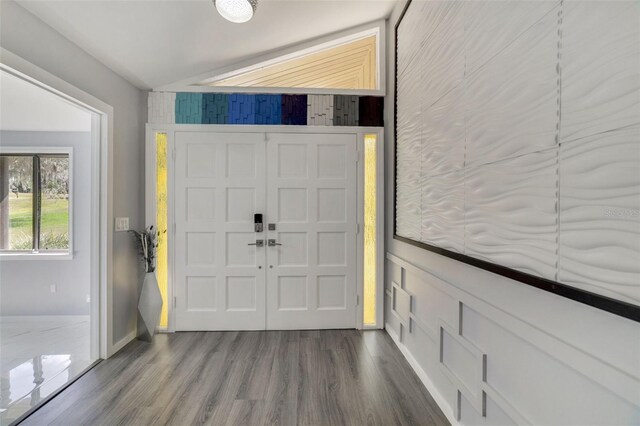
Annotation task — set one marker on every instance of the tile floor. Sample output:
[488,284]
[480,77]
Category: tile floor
[38,355]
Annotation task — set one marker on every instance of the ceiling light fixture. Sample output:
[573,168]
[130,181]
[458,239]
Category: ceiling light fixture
[237,11]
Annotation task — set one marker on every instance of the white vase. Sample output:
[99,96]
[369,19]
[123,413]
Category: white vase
[149,307]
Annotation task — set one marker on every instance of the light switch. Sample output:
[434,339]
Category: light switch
[122,224]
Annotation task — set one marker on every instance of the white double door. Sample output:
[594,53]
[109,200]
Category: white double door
[305,185]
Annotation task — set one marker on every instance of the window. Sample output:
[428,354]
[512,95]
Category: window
[35,202]
[370,228]
[162,257]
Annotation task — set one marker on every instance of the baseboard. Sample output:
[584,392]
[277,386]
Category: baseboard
[45,318]
[121,343]
[424,378]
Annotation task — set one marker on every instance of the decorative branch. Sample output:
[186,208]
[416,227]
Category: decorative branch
[147,242]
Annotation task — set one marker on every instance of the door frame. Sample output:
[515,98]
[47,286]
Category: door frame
[360,132]
[102,344]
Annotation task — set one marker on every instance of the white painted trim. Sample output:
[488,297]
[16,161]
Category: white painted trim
[124,341]
[424,378]
[360,147]
[150,209]
[101,259]
[25,255]
[34,318]
[624,384]
[380,248]
[375,31]
[376,27]
[241,128]
[150,206]
[150,154]
[170,129]
[380,231]
[171,232]
[476,399]
[100,306]
[278,90]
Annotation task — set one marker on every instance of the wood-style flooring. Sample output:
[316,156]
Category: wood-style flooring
[332,377]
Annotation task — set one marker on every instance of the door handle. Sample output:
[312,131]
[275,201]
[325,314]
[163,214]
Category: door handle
[258,243]
[272,243]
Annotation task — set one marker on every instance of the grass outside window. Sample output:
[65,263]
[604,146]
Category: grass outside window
[34,203]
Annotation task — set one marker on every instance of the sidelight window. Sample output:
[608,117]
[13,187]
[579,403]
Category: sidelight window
[161,220]
[370,229]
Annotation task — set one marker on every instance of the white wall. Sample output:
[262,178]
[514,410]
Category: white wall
[27,107]
[549,360]
[30,38]
[25,285]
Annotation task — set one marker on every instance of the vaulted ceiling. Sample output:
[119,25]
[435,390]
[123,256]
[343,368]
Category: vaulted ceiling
[347,66]
[156,42]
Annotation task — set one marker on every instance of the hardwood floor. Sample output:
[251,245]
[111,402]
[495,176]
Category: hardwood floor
[332,377]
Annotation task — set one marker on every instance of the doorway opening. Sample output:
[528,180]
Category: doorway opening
[53,266]
[321,247]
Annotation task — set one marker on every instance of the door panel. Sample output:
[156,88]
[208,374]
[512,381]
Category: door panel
[219,185]
[306,185]
[311,277]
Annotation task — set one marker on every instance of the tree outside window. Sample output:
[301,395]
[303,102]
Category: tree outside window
[34,202]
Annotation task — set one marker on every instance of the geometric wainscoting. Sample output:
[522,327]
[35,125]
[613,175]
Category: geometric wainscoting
[484,365]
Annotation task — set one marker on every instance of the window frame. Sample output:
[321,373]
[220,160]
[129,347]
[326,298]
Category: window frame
[34,254]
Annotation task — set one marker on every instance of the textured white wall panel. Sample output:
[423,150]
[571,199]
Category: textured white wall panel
[410,41]
[161,108]
[434,29]
[512,102]
[442,208]
[408,200]
[600,214]
[550,360]
[482,82]
[421,23]
[439,66]
[600,62]
[490,26]
[443,134]
[409,166]
[511,216]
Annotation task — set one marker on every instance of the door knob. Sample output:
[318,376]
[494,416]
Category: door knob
[272,243]
[258,243]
